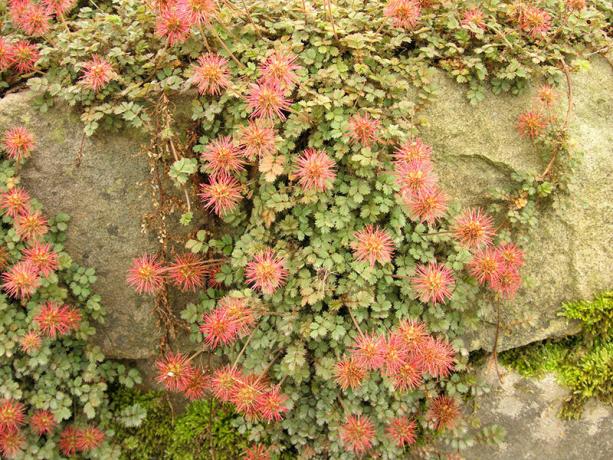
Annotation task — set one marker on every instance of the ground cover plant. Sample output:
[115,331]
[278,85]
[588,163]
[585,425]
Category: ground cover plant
[335,280]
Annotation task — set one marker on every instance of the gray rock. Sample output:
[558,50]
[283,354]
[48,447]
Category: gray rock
[106,196]
[528,410]
[569,256]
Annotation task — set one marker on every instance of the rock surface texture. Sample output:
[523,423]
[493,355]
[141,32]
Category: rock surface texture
[528,410]
[569,257]
[476,149]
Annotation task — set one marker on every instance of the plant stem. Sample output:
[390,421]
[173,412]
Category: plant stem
[355,322]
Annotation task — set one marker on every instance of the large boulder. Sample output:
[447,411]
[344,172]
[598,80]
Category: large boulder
[102,183]
[528,410]
[477,149]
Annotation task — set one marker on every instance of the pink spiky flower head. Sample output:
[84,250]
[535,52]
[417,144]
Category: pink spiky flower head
[411,332]
[222,156]
[42,422]
[428,205]
[21,281]
[11,415]
[174,371]
[279,69]
[54,319]
[575,5]
[433,282]
[30,342]
[363,129]
[219,328]
[239,312]
[408,376]
[224,382]
[511,255]
[31,226]
[197,385]
[34,20]
[402,431]
[69,441]
[18,143]
[473,228]
[211,75]
[436,357]
[414,177]
[15,202]
[58,7]
[271,404]
[257,139]
[474,17]
[12,444]
[372,245]
[357,433]
[221,194]
[24,56]
[315,170]
[507,282]
[404,13]
[146,275]
[266,272]
[266,100]
[201,11]
[257,452]
[534,21]
[174,23]
[187,272]
[349,374]
[411,150]
[547,95]
[6,54]
[395,354]
[368,351]
[43,257]
[97,73]
[245,395]
[89,438]
[531,124]
[485,265]
[444,412]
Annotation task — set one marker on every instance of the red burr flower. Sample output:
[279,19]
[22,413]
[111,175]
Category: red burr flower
[187,272]
[415,176]
[412,333]
[15,202]
[485,265]
[511,255]
[575,5]
[34,20]
[404,13]
[349,374]
[211,75]
[97,73]
[531,124]
[224,382]
[402,431]
[266,100]
[474,17]
[31,341]
[146,275]
[474,228]
[69,441]
[221,194]
[58,7]
[174,371]
[11,443]
[174,23]
[433,282]
[547,95]
[506,283]
[395,354]
[534,20]
[357,433]
[412,150]
[257,452]
[54,319]
[372,245]
[24,56]
[6,54]
[89,438]
[407,376]
[218,328]
[42,422]
[436,357]
[279,69]
[18,143]
[222,156]
[429,205]
[271,404]
[11,415]
[315,170]
[246,394]
[444,412]
[266,272]
[31,226]
[43,257]
[257,139]
[368,351]
[363,129]
[201,11]
[239,312]
[21,280]
[197,385]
